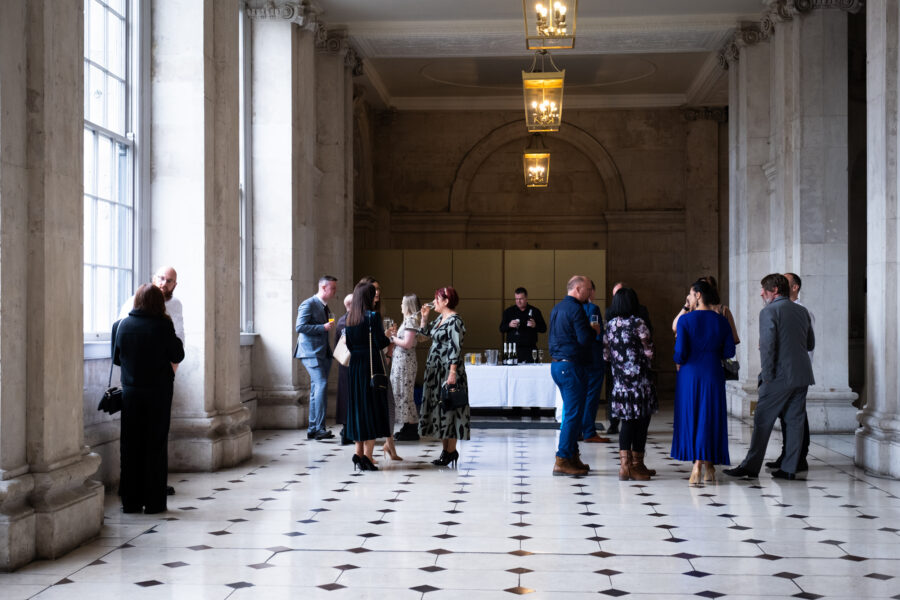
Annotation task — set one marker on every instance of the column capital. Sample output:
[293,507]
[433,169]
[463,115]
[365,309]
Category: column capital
[300,13]
[804,6]
[354,62]
[749,34]
[333,41]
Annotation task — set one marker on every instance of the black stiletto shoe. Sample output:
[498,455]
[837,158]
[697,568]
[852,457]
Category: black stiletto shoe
[365,464]
[357,464]
[446,458]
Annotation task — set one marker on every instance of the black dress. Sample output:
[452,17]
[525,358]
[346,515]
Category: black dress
[145,347]
[367,411]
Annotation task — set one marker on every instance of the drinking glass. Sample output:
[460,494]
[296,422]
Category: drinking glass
[388,323]
[541,355]
[534,355]
[595,319]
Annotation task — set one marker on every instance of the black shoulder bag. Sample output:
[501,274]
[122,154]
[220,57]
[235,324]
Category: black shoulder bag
[378,381]
[111,402]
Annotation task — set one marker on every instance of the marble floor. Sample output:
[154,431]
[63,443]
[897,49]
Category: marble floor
[297,522]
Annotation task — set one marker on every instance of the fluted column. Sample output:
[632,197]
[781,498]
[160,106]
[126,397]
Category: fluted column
[748,228]
[808,211]
[48,503]
[878,440]
[194,222]
[285,174]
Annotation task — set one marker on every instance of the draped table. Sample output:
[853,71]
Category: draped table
[528,385]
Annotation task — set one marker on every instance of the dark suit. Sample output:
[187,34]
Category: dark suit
[524,337]
[785,340]
[145,347]
[314,351]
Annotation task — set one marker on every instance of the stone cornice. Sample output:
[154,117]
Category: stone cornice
[300,13]
[719,114]
[777,11]
[333,41]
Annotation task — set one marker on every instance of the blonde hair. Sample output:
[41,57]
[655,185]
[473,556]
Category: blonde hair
[410,305]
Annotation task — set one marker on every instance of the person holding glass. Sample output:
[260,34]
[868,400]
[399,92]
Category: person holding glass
[367,407]
[595,371]
[444,365]
[704,337]
[404,367]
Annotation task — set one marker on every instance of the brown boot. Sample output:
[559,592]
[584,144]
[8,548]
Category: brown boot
[638,470]
[565,466]
[577,462]
[625,465]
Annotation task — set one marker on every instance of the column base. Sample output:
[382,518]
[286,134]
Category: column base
[282,410]
[878,444]
[829,411]
[17,523]
[210,443]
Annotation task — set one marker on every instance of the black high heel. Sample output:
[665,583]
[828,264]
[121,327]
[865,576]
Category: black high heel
[357,464]
[446,458]
[365,464]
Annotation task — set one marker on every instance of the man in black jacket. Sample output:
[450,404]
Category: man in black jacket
[522,323]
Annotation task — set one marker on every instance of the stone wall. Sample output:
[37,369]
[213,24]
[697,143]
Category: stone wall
[642,184]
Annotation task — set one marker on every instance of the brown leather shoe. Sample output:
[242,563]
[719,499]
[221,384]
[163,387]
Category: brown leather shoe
[624,465]
[596,439]
[565,466]
[638,470]
[577,462]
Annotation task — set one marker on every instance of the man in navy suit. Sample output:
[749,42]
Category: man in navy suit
[314,321]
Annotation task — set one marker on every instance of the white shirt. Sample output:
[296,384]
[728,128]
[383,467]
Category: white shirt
[173,307]
[812,318]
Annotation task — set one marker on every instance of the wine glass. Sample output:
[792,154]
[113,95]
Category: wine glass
[534,355]
[388,323]
[541,356]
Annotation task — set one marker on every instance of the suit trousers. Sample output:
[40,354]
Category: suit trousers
[318,369]
[571,379]
[774,400]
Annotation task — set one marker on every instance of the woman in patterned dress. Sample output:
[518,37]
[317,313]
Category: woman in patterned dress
[628,349]
[444,365]
[404,367]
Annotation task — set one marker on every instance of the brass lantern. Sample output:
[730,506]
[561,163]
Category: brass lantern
[536,162]
[543,91]
[550,24]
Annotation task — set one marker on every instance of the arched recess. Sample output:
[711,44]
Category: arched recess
[578,138]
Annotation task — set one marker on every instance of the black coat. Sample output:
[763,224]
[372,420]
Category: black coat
[145,347]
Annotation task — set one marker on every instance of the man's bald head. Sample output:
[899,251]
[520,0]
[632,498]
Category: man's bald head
[166,279]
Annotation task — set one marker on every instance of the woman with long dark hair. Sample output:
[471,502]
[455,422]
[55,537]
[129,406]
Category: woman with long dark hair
[628,349]
[444,365]
[144,344]
[367,407]
[703,339]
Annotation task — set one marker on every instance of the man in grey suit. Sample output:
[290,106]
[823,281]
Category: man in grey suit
[785,340]
[314,321]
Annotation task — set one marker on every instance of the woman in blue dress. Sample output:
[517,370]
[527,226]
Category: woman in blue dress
[367,407]
[702,340]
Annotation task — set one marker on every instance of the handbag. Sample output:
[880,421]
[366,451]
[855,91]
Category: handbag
[453,397]
[341,353]
[731,367]
[378,381]
[111,402]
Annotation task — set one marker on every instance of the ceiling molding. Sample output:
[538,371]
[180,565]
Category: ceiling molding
[371,73]
[705,86]
[596,101]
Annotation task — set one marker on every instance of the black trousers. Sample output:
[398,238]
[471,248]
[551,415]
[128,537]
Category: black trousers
[633,434]
[143,451]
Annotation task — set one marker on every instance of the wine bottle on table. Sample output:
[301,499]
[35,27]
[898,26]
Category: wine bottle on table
[514,355]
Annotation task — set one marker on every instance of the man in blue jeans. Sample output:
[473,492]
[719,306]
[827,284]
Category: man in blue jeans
[571,336]
[314,322]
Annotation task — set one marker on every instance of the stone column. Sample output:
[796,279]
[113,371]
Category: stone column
[48,504]
[878,440]
[748,228]
[808,213]
[701,211]
[284,180]
[194,222]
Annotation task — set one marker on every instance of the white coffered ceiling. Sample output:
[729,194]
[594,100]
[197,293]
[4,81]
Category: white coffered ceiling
[469,54]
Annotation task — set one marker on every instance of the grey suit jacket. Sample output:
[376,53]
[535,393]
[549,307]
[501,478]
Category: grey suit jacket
[785,340]
[312,341]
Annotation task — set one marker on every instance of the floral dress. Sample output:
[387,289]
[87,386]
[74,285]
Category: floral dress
[403,375]
[446,349]
[627,349]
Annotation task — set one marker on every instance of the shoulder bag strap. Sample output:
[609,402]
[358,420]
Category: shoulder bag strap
[109,381]
[372,355]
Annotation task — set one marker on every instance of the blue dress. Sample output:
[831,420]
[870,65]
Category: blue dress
[702,340]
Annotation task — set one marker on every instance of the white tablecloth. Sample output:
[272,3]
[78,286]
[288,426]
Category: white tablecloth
[519,385]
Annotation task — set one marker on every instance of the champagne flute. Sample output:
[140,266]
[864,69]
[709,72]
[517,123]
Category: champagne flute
[534,355]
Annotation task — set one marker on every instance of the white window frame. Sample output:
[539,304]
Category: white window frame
[136,138]
[246,171]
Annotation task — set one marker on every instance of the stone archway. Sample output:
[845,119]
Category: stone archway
[576,137]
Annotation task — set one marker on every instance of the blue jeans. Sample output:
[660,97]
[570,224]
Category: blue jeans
[594,389]
[571,379]
[318,391]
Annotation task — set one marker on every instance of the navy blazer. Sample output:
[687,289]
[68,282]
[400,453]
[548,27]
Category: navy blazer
[312,341]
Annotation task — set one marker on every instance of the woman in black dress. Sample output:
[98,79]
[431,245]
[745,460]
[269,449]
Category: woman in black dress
[367,409]
[144,344]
